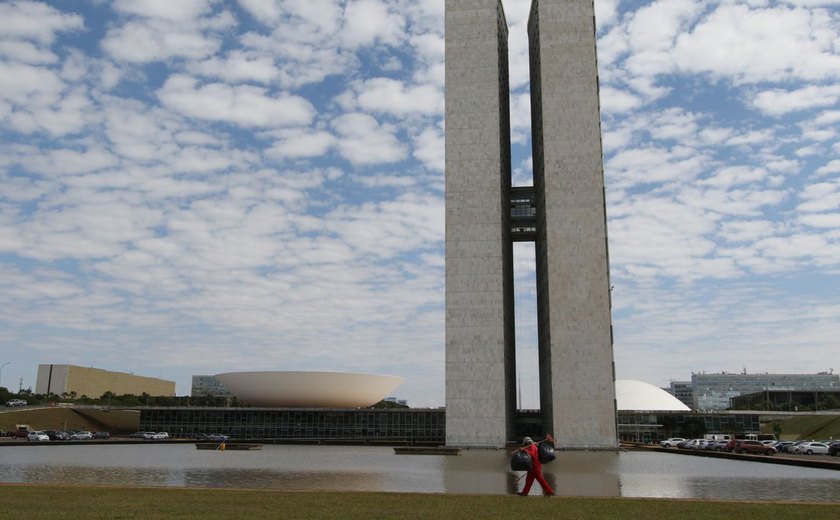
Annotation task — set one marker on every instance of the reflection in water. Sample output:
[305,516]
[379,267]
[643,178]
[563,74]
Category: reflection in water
[583,473]
[343,468]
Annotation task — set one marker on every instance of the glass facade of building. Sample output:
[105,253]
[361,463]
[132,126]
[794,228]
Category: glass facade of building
[647,427]
[399,426]
[714,391]
[682,391]
[408,425]
[208,386]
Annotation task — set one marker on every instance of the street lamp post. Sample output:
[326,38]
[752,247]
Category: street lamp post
[1,371]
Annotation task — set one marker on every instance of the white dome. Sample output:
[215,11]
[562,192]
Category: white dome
[309,389]
[638,395]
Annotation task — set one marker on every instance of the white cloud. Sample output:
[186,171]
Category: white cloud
[241,105]
[778,102]
[180,11]
[734,175]
[296,144]
[363,141]
[605,13]
[615,100]
[140,42]
[395,97]
[238,67]
[428,148]
[21,83]
[832,166]
[371,21]
[761,44]
[35,21]
[27,52]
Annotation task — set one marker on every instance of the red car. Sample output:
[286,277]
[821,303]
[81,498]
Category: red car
[754,447]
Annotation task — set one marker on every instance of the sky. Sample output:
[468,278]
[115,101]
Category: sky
[206,186]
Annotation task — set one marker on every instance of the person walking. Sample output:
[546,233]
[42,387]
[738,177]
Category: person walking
[530,447]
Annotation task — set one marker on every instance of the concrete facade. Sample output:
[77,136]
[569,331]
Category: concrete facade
[480,390]
[577,394]
[93,382]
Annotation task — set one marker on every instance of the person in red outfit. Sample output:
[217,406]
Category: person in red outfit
[530,447]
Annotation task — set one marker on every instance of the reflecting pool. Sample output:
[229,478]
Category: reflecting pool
[344,468]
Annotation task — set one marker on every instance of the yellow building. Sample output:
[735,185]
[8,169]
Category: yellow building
[93,382]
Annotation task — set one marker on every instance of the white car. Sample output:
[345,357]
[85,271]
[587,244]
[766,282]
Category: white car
[16,402]
[156,436]
[671,443]
[82,436]
[38,436]
[810,448]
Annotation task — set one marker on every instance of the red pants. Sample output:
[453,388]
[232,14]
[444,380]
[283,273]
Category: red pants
[529,481]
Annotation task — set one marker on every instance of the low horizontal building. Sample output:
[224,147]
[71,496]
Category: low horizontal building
[715,391]
[362,426]
[93,382]
[788,400]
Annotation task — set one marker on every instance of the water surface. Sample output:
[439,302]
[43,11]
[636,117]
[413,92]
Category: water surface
[343,468]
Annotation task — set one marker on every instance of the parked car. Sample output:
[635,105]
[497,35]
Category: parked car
[140,435]
[781,446]
[16,402]
[717,445]
[793,448]
[753,447]
[57,435]
[156,436]
[101,435]
[810,448]
[834,449]
[37,436]
[672,442]
[217,437]
[730,445]
[81,436]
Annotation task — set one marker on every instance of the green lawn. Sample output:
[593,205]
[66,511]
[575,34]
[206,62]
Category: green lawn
[815,427]
[92,503]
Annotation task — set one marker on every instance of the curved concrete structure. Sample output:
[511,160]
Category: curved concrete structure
[632,395]
[309,389]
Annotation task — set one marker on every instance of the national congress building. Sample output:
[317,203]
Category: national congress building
[563,213]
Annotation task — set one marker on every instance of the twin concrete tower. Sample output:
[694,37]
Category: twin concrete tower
[563,213]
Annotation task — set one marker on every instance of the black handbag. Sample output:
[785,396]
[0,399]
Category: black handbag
[546,452]
[521,461]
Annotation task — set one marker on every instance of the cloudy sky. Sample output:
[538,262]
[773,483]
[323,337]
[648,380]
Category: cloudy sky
[204,186]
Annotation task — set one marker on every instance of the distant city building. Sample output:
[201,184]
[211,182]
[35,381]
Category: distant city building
[93,382]
[788,400]
[682,391]
[715,391]
[208,386]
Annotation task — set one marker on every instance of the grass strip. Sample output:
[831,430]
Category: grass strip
[113,503]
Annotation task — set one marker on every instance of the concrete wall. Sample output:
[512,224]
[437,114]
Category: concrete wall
[480,363]
[577,391]
[93,382]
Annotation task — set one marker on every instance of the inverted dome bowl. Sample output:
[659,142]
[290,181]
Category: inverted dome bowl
[309,389]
